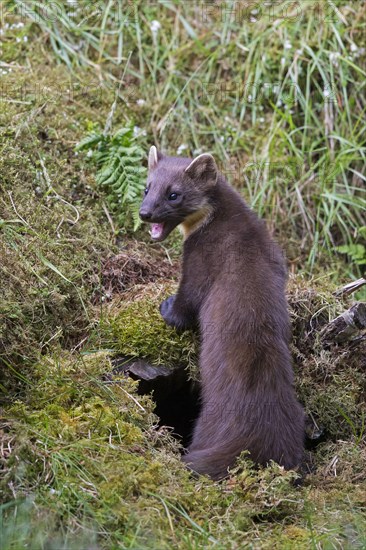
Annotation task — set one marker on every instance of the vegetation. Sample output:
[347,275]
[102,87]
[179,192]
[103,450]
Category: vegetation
[275,93]
[278,97]
[138,329]
[120,170]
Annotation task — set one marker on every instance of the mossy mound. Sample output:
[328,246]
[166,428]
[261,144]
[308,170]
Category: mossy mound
[134,327]
[53,230]
[83,458]
[83,462]
[330,378]
[89,453]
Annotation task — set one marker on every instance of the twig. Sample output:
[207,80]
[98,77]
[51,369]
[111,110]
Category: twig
[109,120]
[57,196]
[33,114]
[79,344]
[133,399]
[350,287]
[12,65]
[104,206]
[346,326]
[17,213]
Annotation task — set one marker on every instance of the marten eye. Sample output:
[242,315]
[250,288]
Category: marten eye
[173,196]
[146,191]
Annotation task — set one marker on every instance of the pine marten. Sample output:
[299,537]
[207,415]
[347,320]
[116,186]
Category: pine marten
[233,288]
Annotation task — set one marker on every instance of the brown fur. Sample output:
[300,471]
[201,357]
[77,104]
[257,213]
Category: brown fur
[233,287]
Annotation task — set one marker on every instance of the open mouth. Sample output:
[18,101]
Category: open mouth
[157,231]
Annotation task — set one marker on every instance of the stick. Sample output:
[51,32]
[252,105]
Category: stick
[346,326]
[350,287]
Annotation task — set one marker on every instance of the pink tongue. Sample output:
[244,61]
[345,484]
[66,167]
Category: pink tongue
[157,230]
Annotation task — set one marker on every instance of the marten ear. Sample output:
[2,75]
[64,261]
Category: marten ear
[153,157]
[203,169]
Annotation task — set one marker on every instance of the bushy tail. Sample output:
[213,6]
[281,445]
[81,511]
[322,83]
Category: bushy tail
[213,462]
[269,431]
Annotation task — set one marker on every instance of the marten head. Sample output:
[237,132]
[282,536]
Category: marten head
[177,192]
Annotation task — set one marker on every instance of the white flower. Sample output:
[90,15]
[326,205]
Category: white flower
[354,48]
[89,153]
[326,92]
[181,148]
[155,26]
[25,38]
[140,102]
[287,45]
[333,58]
[137,131]
[283,61]
[253,20]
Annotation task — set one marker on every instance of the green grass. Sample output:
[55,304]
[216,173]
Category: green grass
[279,100]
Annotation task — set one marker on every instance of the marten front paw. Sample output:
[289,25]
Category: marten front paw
[166,310]
[174,316]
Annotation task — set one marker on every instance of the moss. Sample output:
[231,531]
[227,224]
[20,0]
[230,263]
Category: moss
[90,454]
[344,460]
[51,238]
[332,391]
[330,379]
[135,327]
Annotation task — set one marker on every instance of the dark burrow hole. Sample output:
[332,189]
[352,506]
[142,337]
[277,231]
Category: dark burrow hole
[176,397]
[178,404]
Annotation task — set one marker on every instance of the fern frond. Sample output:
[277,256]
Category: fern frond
[89,142]
[120,174]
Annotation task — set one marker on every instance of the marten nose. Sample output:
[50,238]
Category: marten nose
[145,215]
